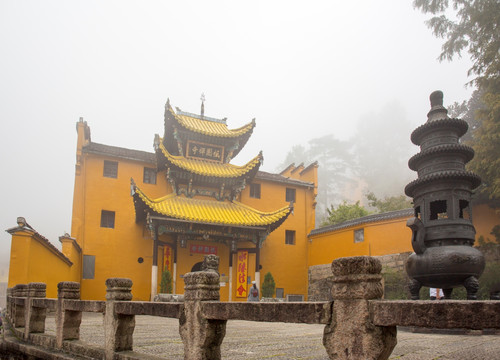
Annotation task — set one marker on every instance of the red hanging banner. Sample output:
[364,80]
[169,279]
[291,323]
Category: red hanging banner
[242,274]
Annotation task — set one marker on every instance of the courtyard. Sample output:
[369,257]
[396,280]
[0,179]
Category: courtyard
[252,340]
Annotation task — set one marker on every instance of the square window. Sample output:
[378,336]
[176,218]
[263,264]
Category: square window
[108,219]
[359,235]
[290,194]
[290,237]
[110,169]
[255,191]
[280,293]
[149,176]
[88,266]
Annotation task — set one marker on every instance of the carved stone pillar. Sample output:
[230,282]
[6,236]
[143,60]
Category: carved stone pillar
[118,328]
[201,337]
[20,291]
[35,316]
[9,312]
[351,334]
[67,321]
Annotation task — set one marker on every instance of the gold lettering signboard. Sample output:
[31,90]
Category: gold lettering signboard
[204,151]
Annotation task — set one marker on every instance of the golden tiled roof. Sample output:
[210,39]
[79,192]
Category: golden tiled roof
[213,212]
[211,128]
[210,168]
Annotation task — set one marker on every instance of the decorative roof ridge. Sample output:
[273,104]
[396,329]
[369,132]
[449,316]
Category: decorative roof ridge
[364,220]
[117,151]
[230,213]
[301,165]
[201,117]
[41,239]
[308,167]
[230,132]
[178,160]
[174,195]
[287,168]
[73,241]
[263,213]
[264,175]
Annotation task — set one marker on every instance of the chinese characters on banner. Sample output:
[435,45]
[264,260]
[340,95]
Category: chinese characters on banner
[242,274]
[203,249]
[205,151]
[167,258]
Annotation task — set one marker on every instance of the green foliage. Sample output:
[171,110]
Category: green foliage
[389,203]
[496,233]
[166,282]
[395,284]
[473,27]
[490,277]
[481,241]
[268,286]
[486,143]
[344,212]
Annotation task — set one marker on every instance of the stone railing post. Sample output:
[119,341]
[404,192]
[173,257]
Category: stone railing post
[351,334]
[118,328]
[35,316]
[8,310]
[202,338]
[18,318]
[67,321]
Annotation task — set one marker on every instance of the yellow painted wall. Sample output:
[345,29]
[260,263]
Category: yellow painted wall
[117,249]
[385,237]
[287,263]
[32,260]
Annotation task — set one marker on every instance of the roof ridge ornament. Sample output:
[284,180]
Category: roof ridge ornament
[202,98]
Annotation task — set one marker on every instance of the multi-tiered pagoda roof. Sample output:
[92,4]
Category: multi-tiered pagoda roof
[194,154]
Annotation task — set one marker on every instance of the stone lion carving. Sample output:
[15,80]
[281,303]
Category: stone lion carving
[211,263]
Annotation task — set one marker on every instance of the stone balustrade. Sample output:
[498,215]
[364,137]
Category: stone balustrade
[358,324]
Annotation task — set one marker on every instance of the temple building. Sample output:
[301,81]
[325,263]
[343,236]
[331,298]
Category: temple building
[136,214]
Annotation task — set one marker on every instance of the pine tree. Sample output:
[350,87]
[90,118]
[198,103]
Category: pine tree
[268,286]
[166,282]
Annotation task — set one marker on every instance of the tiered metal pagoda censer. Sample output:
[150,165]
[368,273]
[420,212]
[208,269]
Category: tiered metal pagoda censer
[443,234]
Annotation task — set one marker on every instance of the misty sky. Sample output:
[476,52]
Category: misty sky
[302,69]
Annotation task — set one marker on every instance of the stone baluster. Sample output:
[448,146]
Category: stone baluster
[67,321]
[35,316]
[202,338]
[118,328]
[20,291]
[8,313]
[351,333]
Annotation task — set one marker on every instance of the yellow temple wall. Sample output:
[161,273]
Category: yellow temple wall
[287,263]
[117,249]
[33,260]
[385,237]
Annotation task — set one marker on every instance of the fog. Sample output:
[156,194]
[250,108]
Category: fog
[301,71]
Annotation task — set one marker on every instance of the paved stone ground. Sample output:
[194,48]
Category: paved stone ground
[252,340]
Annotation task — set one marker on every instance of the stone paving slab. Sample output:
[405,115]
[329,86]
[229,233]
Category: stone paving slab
[251,340]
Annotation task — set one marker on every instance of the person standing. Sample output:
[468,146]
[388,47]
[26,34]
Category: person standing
[436,293]
[253,293]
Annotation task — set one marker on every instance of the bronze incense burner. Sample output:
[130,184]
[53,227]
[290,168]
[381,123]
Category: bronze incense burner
[443,234]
